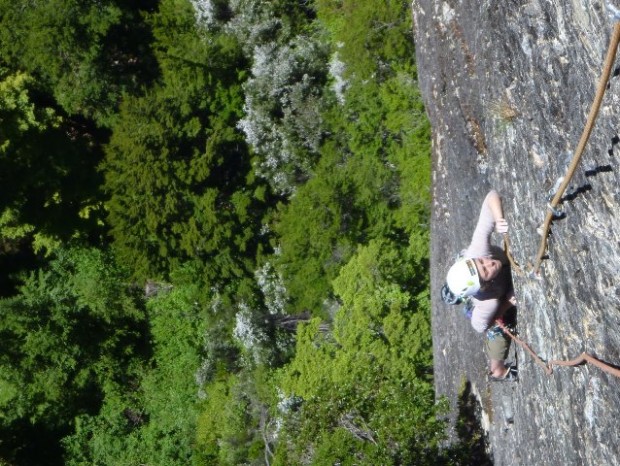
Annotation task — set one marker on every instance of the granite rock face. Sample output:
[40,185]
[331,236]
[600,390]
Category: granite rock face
[508,86]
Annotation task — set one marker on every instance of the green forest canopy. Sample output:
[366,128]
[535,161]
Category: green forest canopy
[214,230]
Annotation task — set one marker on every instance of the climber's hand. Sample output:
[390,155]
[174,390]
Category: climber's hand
[501,226]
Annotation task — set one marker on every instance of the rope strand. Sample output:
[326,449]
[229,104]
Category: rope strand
[513,264]
[584,357]
[525,346]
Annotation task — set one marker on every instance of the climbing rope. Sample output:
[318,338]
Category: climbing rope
[596,104]
[525,346]
[513,264]
[584,357]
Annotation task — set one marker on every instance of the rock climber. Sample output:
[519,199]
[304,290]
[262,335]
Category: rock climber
[482,277]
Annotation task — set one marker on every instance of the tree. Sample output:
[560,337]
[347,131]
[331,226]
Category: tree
[72,329]
[237,425]
[373,176]
[365,386]
[177,171]
[48,183]
[20,121]
[84,54]
[152,419]
[370,37]
[201,115]
[283,96]
[282,121]
[226,425]
[313,234]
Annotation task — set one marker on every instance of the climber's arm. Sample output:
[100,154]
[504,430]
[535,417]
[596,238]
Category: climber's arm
[491,217]
[494,202]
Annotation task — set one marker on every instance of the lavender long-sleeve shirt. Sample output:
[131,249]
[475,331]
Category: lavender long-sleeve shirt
[488,301]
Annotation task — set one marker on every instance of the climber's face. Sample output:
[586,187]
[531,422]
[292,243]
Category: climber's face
[488,268]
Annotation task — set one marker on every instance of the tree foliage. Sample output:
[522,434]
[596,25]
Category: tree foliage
[372,180]
[363,386]
[213,234]
[47,171]
[73,328]
[154,421]
[85,54]
[177,171]
[283,95]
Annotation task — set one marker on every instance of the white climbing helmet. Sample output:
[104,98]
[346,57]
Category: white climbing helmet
[463,279]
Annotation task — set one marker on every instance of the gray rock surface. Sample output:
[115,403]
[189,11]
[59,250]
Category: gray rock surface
[508,86]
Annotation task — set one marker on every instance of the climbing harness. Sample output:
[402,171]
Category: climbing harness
[552,210]
[494,332]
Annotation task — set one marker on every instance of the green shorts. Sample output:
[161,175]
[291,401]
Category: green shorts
[497,343]
[497,348]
